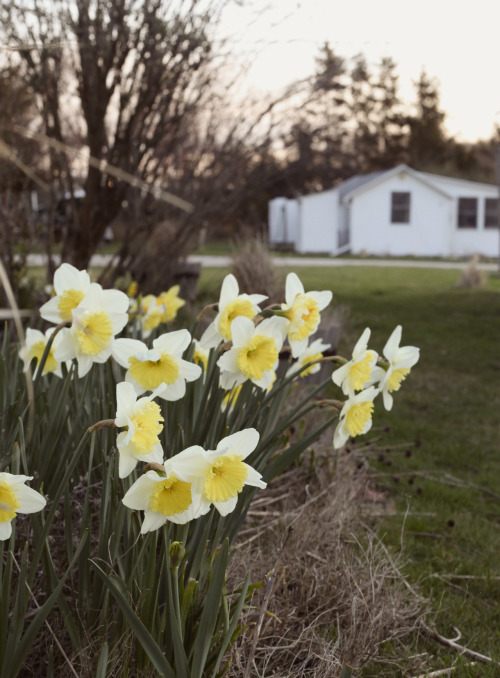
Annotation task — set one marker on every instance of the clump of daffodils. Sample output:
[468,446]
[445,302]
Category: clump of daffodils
[364,377]
[154,311]
[243,345]
[193,480]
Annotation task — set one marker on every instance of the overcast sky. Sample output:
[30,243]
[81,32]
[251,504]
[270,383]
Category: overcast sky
[457,43]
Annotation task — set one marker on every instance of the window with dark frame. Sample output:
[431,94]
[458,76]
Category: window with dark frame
[400,207]
[491,206]
[467,213]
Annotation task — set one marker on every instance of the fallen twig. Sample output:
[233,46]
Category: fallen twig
[451,642]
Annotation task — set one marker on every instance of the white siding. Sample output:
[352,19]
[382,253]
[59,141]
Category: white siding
[283,222]
[468,241]
[319,219]
[427,233]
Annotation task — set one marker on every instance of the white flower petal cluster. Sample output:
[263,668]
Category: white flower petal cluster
[355,417]
[357,373]
[254,354]
[16,497]
[194,480]
[99,316]
[96,316]
[401,359]
[362,379]
[232,304]
[303,311]
[34,349]
[312,352]
[142,419]
[155,310]
[70,287]
[147,368]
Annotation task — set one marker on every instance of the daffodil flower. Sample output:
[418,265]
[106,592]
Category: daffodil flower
[306,362]
[16,497]
[70,286]
[34,348]
[148,368]
[96,320]
[302,309]
[142,418]
[254,354]
[355,417]
[163,497]
[357,373]
[401,359]
[151,314]
[218,476]
[171,303]
[232,304]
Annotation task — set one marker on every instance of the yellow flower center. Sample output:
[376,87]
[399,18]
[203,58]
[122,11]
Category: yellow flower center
[69,300]
[200,358]
[94,333]
[151,373]
[307,361]
[304,316]
[147,427]
[36,351]
[152,319]
[360,371]
[233,310]
[357,417]
[171,496]
[8,503]
[397,376]
[225,478]
[257,357]
[171,303]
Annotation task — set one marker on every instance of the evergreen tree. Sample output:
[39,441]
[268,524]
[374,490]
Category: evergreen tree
[428,145]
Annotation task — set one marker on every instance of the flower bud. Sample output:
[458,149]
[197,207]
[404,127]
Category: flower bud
[176,553]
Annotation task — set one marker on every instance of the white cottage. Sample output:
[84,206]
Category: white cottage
[396,212]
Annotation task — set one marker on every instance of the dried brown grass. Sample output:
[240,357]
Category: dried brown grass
[332,594]
[254,270]
[472,277]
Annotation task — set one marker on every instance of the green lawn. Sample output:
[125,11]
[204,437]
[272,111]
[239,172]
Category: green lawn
[448,484]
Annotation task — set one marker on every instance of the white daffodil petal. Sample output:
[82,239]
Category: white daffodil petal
[242,443]
[137,497]
[211,337]
[68,277]
[174,391]
[229,361]
[50,311]
[30,500]
[293,287]
[254,478]
[226,507]
[84,365]
[189,371]
[126,462]
[229,290]
[173,343]
[124,348]
[152,521]
[392,344]
[242,329]
[362,343]
[188,465]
